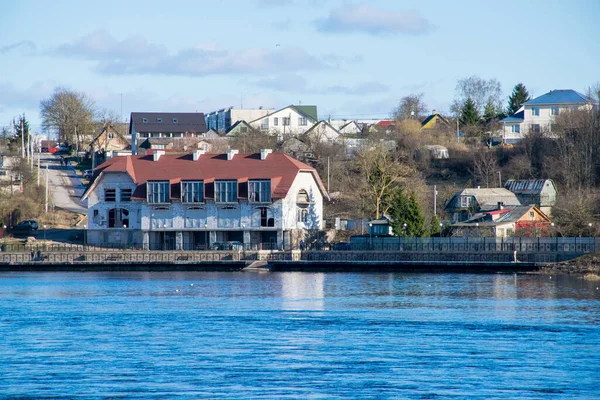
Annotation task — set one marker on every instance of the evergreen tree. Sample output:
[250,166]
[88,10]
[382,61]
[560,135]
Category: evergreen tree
[519,96]
[469,114]
[20,124]
[434,226]
[489,112]
[406,210]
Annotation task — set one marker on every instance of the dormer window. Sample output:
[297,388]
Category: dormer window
[158,192]
[226,191]
[174,120]
[144,120]
[159,120]
[259,191]
[192,191]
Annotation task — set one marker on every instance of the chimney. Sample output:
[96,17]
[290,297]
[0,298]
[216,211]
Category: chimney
[196,154]
[156,155]
[433,112]
[264,153]
[231,153]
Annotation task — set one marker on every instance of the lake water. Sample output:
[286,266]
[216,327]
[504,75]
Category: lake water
[298,335]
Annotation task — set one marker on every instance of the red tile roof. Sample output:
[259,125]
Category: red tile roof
[278,167]
[385,123]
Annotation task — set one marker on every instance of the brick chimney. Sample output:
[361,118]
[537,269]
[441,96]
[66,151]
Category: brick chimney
[231,153]
[264,153]
[196,154]
[156,155]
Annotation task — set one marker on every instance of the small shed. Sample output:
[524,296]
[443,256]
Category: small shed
[381,227]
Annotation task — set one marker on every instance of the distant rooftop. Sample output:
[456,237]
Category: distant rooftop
[568,96]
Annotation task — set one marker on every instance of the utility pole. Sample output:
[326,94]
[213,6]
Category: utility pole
[46,188]
[38,172]
[434,200]
[500,178]
[327,174]
[22,140]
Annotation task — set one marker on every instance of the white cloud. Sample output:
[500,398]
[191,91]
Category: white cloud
[298,84]
[368,19]
[135,55]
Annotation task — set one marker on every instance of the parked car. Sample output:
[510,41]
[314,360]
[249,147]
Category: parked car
[88,173]
[236,246]
[28,222]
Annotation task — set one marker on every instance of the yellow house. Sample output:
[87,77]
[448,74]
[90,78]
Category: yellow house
[435,121]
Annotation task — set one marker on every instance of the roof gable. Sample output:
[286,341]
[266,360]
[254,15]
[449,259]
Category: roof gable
[433,117]
[297,110]
[322,130]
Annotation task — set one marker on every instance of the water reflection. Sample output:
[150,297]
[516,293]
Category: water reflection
[302,291]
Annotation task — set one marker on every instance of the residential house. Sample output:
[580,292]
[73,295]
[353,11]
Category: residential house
[385,126]
[322,131]
[224,119]
[145,125]
[108,140]
[468,202]
[240,128]
[435,121]
[537,115]
[509,221]
[540,192]
[288,121]
[194,200]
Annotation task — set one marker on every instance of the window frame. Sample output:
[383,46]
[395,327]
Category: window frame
[144,120]
[535,111]
[466,201]
[286,121]
[536,128]
[302,121]
[515,128]
[175,120]
[260,187]
[150,190]
[159,120]
[554,110]
[113,196]
[230,195]
[275,121]
[185,198]
[125,198]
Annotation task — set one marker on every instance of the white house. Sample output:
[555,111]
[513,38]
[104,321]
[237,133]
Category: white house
[322,131]
[537,115]
[194,200]
[288,121]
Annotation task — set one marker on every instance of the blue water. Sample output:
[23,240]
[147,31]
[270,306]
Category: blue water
[298,335]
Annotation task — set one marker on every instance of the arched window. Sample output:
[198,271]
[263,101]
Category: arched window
[302,197]
[302,203]
[118,218]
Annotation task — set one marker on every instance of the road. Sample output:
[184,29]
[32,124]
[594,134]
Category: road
[65,186]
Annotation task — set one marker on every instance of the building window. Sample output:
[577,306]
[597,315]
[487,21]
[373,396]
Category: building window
[192,192]
[554,110]
[259,191]
[159,120]
[286,121]
[226,191]
[244,129]
[118,218]
[302,215]
[144,120]
[531,214]
[174,120]
[125,194]
[535,111]
[110,195]
[302,121]
[535,128]
[465,201]
[515,128]
[264,125]
[275,121]
[158,192]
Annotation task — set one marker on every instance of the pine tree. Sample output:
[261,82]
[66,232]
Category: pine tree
[519,96]
[15,141]
[405,210]
[434,226]
[489,112]
[469,114]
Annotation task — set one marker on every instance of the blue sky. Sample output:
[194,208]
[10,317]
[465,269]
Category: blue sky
[350,58]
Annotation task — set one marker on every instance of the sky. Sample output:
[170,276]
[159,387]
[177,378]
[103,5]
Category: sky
[352,59]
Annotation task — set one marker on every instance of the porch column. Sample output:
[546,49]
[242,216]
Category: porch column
[178,240]
[146,240]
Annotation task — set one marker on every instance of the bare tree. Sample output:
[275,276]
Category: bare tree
[485,167]
[411,106]
[382,175]
[68,113]
[481,91]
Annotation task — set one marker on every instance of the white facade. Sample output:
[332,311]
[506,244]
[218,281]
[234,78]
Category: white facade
[285,122]
[116,220]
[323,132]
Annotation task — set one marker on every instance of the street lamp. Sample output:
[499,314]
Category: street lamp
[85,235]
[370,235]
[4,239]
[44,233]
[206,236]
[164,237]
[590,226]
[404,229]
[243,235]
[441,229]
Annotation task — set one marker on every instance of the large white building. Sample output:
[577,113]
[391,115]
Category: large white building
[288,121]
[537,115]
[192,201]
